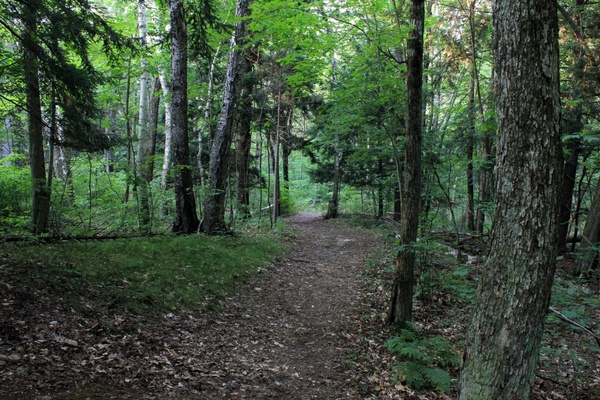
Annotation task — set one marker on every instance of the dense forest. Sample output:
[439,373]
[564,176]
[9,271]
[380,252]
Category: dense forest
[465,127]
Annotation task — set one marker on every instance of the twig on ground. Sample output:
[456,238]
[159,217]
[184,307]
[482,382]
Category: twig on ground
[574,323]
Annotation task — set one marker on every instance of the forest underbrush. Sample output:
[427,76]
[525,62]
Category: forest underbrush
[569,366]
[197,317]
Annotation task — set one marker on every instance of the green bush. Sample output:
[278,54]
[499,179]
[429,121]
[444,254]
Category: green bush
[15,193]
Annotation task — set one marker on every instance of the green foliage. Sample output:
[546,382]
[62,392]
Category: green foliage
[575,301]
[15,194]
[95,201]
[152,274]
[421,360]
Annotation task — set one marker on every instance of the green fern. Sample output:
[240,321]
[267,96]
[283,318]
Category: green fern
[422,360]
[412,353]
[411,373]
[439,378]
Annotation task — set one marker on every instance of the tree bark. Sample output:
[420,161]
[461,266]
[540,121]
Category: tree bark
[150,148]
[401,303]
[214,205]
[168,151]
[334,202]
[473,84]
[186,218]
[143,135]
[470,149]
[505,334]
[245,138]
[207,124]
[40,204]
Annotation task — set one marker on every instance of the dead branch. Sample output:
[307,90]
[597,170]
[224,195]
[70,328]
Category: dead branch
[574,323]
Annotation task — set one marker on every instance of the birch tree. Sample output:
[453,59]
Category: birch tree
[143,136]
[168,149]
[214,204]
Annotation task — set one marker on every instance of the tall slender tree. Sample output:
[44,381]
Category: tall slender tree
[143,123]
[590,237]
[245,135]
[404,280]
[505,334]
[165,85]
[40,205]
[186,218]
[214,205]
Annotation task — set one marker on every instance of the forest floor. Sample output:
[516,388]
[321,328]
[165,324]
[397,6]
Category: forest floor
[309,327]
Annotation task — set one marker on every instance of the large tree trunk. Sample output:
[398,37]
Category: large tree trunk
[214,205]
[402,291]
[186,218]
[514,287]
[40,204]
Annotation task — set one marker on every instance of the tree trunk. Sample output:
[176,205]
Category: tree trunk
[168,151]
[470,148]
[572,125]
[186,219]
[128,130]
[207,125]
[286,148]
[397,205]
[402,291]
[214,205]
[333,207]
[568,187]
[590,237]
[143,134]
[245,138]
[514,287]
[380,189]
[150,148]
[40,204]
[276,176]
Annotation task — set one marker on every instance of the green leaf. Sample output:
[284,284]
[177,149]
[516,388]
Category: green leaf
[439,378]
[412,353]
[412,374]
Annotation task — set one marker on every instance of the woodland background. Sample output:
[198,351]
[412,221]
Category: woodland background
[139,118]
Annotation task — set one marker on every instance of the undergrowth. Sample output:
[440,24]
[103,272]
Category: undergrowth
[422,360]
[143,274]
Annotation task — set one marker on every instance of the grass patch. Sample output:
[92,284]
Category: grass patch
[143,274]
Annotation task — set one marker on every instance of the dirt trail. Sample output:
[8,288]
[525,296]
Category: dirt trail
[286,333]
